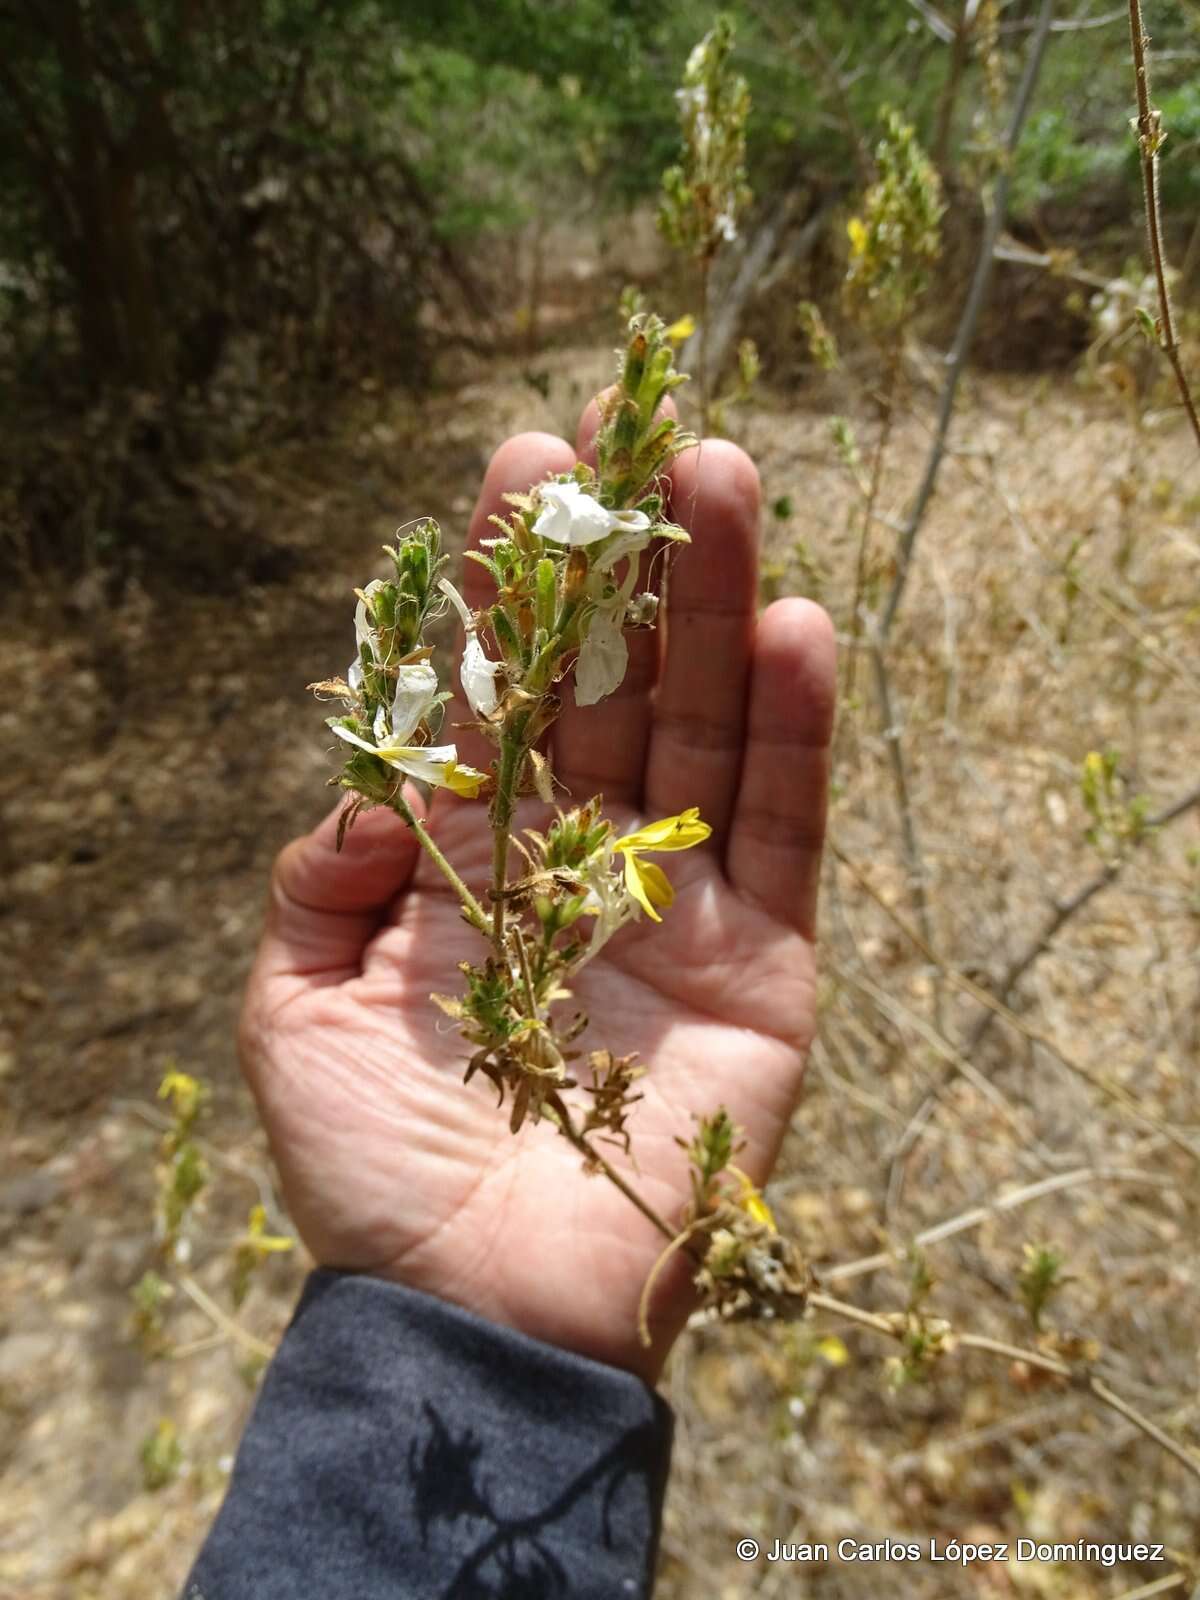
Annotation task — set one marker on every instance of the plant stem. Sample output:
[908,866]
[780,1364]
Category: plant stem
[887,402]
[511,751]
[1149,136]
[892,1328]
[954,77]
[914,860]
[681,1241]
[978,1215]
[227,1325]
[586,1148]
[474,911]
[702,374]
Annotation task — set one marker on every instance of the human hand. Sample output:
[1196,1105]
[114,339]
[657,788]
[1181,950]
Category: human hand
[390,1165]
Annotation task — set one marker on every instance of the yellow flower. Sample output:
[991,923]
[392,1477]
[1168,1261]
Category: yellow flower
[679,332]
[183,1091]
[463,780]
[751,1201]
[833,1350]
[857,230]
[257,1239]
[647,883]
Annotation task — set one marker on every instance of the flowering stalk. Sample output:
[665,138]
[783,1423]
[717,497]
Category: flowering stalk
[704,192]
[564,563]
[894,240]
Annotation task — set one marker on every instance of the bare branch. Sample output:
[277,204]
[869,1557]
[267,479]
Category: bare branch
[917,876]
[1106,1086]
[934,21]
[1066,909]
[970,316]
[893,1328]
[980,1214]
[1150,136]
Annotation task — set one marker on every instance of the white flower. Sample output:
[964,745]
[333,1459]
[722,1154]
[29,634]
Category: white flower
[476,673]
[364,630]
[572,516]
[415,698]
[629,544]
[608,900]
[693,105]
[434,764]
[364,634]
[603,656]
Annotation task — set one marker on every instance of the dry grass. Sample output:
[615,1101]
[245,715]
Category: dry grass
[1007,676]
[136,870]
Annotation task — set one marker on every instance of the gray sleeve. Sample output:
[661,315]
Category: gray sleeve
[403,1447]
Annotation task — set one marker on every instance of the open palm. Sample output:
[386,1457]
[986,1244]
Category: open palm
[390,1165]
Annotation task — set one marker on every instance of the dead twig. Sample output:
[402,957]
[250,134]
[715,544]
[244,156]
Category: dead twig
[226,1323]
[893,1327]
[1105,1086]
[980,1214]
[969,319]
[912,849]
[1066,909]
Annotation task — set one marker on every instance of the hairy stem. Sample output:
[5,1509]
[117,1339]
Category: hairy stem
[511,751]
[473,911]
[575,1136]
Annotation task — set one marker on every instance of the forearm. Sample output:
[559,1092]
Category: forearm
[402,1447]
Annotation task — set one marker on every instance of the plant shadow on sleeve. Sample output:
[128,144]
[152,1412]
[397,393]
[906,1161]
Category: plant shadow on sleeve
[525,1556]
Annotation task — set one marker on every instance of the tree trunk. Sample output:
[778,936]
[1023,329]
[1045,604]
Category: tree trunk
[119,326]
[780,242]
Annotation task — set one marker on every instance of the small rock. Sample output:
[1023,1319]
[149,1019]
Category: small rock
[29,1194]
[38,878]
[24,1354]
[74,1237]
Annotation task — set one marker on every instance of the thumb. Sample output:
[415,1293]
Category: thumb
[325,904]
